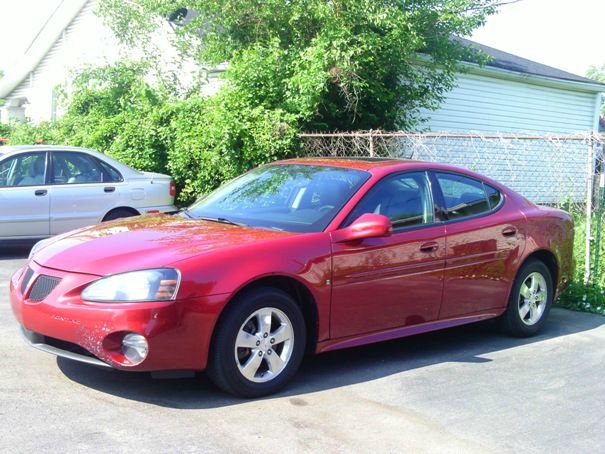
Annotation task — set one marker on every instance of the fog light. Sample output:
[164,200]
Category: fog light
[135,348]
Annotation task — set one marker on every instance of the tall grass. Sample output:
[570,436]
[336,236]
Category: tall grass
[589,298]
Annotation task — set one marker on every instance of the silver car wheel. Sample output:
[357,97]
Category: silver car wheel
[533,296]
[264,344]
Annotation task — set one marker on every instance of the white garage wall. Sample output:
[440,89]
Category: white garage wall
[487,104]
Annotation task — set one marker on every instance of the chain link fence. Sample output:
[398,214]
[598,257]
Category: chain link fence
[561,171]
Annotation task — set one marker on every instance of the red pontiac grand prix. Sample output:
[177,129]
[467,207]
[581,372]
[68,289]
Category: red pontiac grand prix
[299,255]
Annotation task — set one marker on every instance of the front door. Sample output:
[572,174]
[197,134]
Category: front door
[395,281]
[24,198]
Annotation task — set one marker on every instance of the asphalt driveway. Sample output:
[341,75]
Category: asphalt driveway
[467,389]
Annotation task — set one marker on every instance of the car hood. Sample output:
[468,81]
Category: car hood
[144,242]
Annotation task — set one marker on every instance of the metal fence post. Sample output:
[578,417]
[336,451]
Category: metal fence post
[600,203]
[589,186]
[371,144]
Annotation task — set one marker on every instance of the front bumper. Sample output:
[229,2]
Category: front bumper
[65,350]
[178,332]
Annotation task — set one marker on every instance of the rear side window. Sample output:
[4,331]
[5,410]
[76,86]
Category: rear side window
[463,196]
[110,174]
[493,195]
[75,168]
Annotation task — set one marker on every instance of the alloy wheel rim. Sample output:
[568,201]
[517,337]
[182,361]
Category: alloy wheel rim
[263,346]
[533,295]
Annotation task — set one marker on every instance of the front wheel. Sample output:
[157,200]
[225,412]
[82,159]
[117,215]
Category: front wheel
[258,345]
[530,300]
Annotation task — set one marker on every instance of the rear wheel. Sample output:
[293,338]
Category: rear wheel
[530,300]
[258,345]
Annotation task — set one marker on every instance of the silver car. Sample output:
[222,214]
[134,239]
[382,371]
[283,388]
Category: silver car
[46,190]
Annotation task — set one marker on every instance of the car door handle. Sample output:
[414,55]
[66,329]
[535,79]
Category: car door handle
[109,189]
[41,192]
[431,246]
[509,231]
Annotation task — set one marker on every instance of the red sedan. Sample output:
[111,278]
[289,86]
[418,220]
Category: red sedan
[300,255]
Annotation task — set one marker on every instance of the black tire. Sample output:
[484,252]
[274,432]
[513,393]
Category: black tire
[119,213]
[223,367]
[511,321]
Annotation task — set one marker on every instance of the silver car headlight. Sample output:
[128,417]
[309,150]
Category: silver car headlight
[146,285]
[39,245]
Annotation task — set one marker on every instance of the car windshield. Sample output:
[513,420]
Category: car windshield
[288,197]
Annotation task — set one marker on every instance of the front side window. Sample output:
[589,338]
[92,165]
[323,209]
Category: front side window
[405,199]
[27,169]
[463,196]
[289,197]
[74,168]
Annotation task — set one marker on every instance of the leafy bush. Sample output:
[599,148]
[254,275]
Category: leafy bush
[115,110]
[590,298]
[216,139]
[22,133]
[201,141]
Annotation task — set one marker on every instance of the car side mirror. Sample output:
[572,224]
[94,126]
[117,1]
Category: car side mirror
[368,225]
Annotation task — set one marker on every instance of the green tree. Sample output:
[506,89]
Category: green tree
[598,73]
[339,64]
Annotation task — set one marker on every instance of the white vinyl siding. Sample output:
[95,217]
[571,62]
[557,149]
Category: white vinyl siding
[490,105]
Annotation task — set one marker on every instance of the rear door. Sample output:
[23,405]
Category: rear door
[80,192]
[484,239]
[24,198]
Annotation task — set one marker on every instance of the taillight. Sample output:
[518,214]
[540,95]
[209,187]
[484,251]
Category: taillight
[172,188]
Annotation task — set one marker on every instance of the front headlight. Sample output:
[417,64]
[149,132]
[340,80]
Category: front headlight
[39,245]
[146,285]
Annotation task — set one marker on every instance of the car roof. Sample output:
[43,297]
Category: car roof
[41,147]
[362,163]
[14,149]
[383,166]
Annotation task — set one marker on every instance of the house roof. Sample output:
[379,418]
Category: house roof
[42,43]
[511,62]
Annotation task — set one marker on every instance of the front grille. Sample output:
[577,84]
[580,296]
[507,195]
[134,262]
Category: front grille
[42,287]
[28,275]
[66,346]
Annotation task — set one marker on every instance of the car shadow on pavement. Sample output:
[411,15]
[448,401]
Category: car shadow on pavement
[466,344]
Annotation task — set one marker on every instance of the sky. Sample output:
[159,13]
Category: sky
[566,34]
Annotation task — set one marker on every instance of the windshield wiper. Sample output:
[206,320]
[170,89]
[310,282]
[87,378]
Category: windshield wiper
[221,220]
[186,212]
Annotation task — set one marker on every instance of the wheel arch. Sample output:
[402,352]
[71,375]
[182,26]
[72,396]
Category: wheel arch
[550,260]
[299,292]
[127,208]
